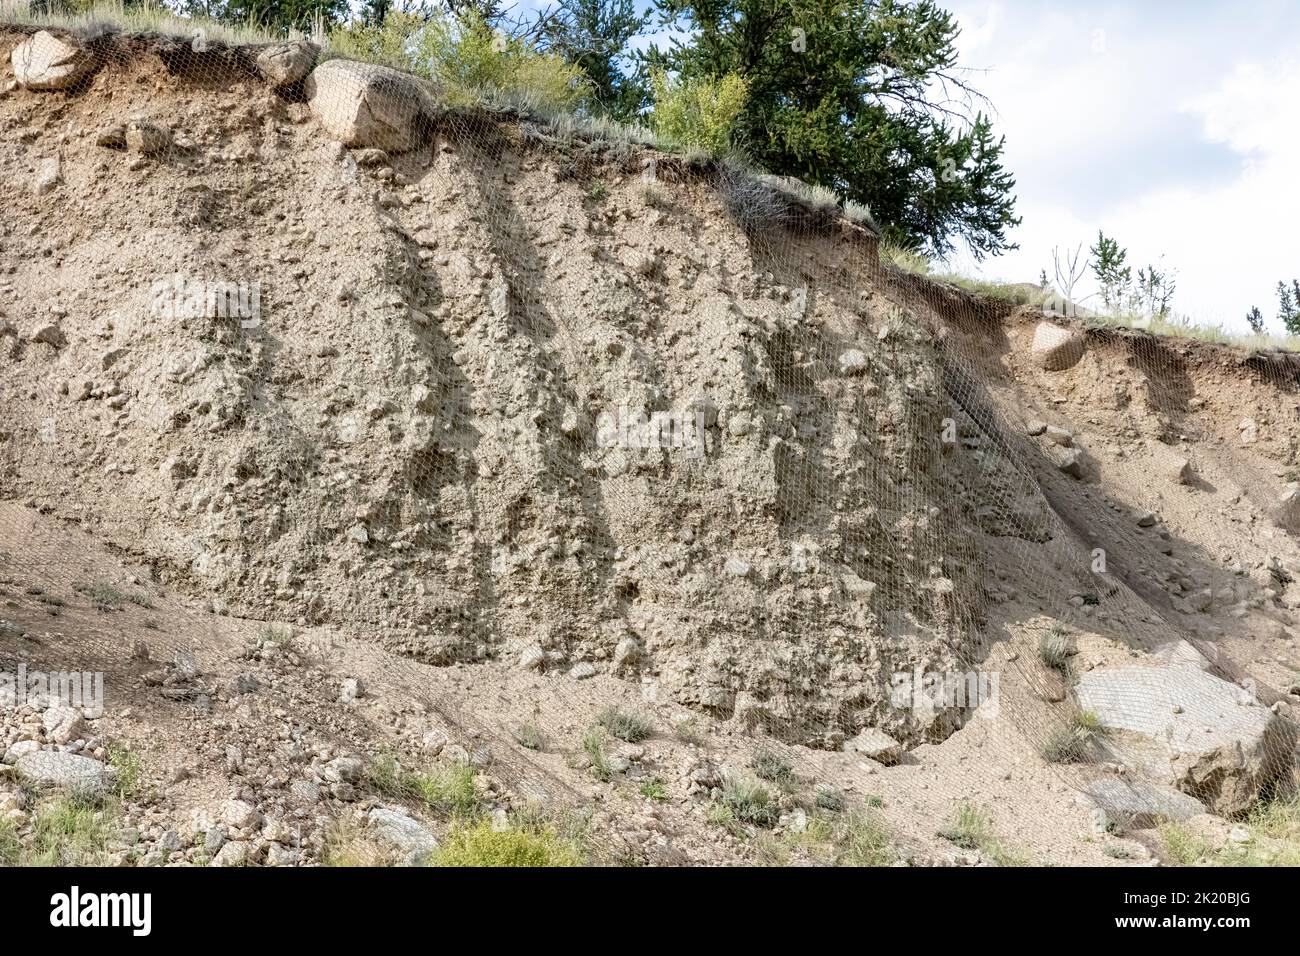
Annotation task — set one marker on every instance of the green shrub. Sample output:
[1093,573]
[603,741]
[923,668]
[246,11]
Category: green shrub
[749,802]
[129,771]
[1070,743]
[1054,650]
[449,789]
[10,849]
[530,737]
[654,789]
[697,112]
[471,63]
[593,742]
[828,798]
[864,841]
[972,829]
[70,831]
[624,725]
[773,767]
[478,844]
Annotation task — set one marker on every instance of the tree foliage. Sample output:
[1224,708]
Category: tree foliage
[863,97]
[1113,273]
[595,36]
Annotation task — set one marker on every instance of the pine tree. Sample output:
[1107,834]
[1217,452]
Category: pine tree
[1255,319]
[862,97]
[594,35]
[1114,277]
[1288,306]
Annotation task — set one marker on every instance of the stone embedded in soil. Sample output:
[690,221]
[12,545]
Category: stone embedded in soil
[1072,463]
[78,775]
[364,105]
[402,831]
[46,62]
[875,743]
[1210,739]
[1135,804]
[1054,348]
[283,64]
[147,138]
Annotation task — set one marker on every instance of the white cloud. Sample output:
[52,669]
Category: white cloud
[1175,131]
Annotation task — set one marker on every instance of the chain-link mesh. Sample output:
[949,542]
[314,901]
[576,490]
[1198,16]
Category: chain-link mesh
[340,423]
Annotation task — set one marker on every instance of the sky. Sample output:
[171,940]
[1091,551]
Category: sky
[1173,126]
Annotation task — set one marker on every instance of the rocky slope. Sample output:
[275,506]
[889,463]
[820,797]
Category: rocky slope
[538,417]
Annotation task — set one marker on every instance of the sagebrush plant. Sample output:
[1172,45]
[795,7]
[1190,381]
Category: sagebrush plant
[748,801]
[104,596]
[773,767]
[625,725]
[1070,743]
[697,112]
[972,828]
[530,737]
[1054,650]
[593,743]
[472,63]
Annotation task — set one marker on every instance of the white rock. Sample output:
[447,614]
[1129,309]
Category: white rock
[875,743]
[64,771]
[1209,738]
[737,567]
[239,814]
[234,853]
[1055,348]
[853,362]
[351,690]
[361,104]
[400,830]
[46,62]
[48,175]
[532,658]
[63,724]
[283,64]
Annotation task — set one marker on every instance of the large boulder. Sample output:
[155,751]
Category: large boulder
[1136,804]
[46,62]
[283,64]
[1211,739]
[1285,512]
[1055,348]
[400,830]
[73,773]
[363,105]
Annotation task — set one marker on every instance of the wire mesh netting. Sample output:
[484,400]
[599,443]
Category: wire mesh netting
[401,466]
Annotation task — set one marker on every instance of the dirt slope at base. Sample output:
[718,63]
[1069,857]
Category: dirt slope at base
[516,427]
